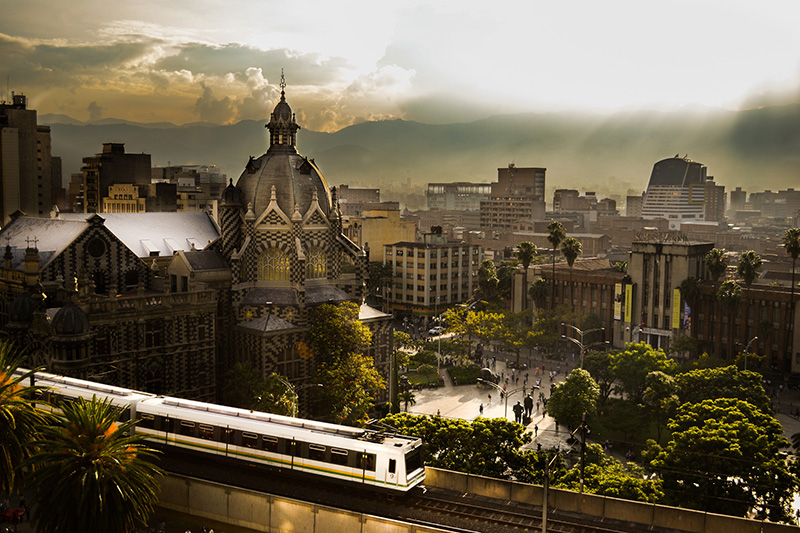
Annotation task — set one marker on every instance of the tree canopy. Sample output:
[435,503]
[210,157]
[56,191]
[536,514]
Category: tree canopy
[722,382]
[723,456]
[632,365]
[573,397]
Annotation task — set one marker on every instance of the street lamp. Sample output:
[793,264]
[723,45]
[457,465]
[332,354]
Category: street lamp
[294,390]
[747,350]
[582,334]
[505,393]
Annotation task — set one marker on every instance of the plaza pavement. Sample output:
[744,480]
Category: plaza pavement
[464,401]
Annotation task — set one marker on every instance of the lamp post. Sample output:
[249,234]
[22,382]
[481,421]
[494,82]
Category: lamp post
[294,390]
[505,393]
[582,334]
[747,350]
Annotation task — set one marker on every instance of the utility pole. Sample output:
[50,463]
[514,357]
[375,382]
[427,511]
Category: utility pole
[547,466]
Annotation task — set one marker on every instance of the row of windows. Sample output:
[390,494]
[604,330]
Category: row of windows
[279,445]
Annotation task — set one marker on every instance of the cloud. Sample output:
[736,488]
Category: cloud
[95,111]
[210,109]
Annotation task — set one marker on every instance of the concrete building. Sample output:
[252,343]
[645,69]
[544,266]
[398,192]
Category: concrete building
[457,196]
[633,205]
[431,275]
[110,167]
[680,191]
[377,228]
[26,175]
[517,194]
[124,198]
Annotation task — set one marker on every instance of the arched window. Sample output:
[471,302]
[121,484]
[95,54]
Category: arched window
[273,265]
[316,264]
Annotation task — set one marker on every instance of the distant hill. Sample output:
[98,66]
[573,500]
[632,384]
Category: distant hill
[755,149]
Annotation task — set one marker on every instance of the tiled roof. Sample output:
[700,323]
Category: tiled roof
[270,295]
[206,260]
[51,237]
[326,294]
[165,233]
[268,323]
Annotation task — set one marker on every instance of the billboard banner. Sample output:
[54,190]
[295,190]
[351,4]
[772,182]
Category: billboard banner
[676,309]
[618,301]
[628,302]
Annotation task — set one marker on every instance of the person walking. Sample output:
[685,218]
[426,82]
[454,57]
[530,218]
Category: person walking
[480,409]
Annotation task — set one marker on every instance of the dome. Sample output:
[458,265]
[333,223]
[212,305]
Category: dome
[295,178]
[70,320]
[21,309]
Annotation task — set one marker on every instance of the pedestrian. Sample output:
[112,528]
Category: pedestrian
[490,400]
[480,409]
[537,406]
[518,409]
[438,412]
[536,430]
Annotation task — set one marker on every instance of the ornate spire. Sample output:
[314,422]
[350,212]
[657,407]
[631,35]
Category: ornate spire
[282,126]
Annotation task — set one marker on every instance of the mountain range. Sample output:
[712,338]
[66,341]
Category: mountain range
[612,155]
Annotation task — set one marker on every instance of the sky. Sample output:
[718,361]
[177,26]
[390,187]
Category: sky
[350,61]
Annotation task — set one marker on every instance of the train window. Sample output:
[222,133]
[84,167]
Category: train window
[338,456]
[164,424]
[413,461]
[187,428]
[206,432]
[147,421]
[249,440]
[269,444]
[392,466]
[316,452]
[365,461]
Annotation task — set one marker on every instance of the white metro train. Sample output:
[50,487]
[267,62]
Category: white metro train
[378,459]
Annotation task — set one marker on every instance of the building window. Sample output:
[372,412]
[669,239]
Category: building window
[316,264]
[273,265]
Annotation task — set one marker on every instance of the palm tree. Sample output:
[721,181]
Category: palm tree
[747,269]
[538,292]
[526,251]
[791,243]
[571,248]
[20,419]
[557,233]
[716,262]
[730,295]
[408,398]
[91,473]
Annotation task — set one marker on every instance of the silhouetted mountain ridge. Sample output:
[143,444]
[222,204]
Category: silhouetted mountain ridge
[755,149]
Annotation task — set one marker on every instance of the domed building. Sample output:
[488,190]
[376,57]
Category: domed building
[281,234]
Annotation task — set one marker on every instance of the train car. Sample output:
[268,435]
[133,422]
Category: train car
[55,388]
[371,458]
[342,453]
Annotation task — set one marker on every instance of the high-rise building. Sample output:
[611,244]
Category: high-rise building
[738,201]
[25,161]
[517,194]
[680,191]
[110,167]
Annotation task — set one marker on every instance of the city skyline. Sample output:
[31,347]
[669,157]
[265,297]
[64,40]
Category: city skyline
[430,62]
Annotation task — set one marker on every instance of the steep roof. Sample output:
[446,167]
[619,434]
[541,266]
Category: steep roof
[49,236]
[148,233]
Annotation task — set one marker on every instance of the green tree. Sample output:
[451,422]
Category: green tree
[379,275]
[632,365]
[684,343]
[428,371]
[486,446]
[702,384]
[600,366]
[570,399]
[620,266]
[20,419]
[607,476]
[724,457]
[408,398]
[748,267]
[539,292]
[88,475]
[526,251]
[555,234]
[488,284]
[348,377]
[791,244]
[730,296]
[242,382]
[716,263]
[276,395]
[660,399]
[571,248]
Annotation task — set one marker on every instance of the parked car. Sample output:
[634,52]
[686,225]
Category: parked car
[435,331]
